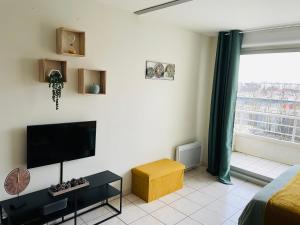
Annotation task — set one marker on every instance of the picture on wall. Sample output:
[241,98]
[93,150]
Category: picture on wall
[159,71]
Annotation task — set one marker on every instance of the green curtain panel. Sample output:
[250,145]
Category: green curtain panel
[223,104]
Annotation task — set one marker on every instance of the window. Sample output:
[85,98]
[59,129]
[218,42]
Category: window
[268,98]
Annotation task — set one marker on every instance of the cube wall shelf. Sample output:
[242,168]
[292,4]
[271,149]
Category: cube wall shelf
[88,77]
[70,42]
[46,65]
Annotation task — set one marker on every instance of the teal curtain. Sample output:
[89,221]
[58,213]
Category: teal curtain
[223,104]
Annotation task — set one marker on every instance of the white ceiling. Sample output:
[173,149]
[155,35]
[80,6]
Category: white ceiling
[211,16]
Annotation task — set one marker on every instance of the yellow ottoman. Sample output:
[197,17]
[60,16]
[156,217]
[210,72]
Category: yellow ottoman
[156,179]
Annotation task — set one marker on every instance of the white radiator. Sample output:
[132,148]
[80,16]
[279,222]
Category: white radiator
[189,154]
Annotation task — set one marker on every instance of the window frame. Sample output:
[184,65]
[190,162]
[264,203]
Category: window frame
[268,50]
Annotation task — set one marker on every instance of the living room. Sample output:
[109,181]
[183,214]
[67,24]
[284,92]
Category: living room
[142,76]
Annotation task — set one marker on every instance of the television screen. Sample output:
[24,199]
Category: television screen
[55,143]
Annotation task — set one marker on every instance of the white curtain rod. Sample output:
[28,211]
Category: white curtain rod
[269,28]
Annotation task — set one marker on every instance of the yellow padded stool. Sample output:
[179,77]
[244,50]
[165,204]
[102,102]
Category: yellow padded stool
[156,179]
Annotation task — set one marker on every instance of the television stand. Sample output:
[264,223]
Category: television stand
[98,192]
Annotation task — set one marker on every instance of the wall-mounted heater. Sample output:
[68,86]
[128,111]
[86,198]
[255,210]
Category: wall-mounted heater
[189,154]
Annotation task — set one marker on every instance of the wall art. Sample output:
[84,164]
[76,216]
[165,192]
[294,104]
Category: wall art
[159,70]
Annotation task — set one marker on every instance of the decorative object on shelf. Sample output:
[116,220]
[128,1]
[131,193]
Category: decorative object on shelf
[72,39]
[57,84]
[88,78]
[94,89]
[68,186]
[159,71]
[70,42]
[16,182]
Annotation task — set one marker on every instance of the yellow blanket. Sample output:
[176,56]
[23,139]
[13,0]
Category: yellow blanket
[284,207]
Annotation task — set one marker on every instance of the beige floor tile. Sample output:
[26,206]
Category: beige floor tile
[131,213]
[188,221]
[185,206]
[222,208]
[147,220]
[131,197]
[168,215]
[87,217]
[207,217]
[185,191]
[234,200]
[229,222]
[170,198]
[114,221]
[116,202]
[149,207]
[200,198]
[236,216]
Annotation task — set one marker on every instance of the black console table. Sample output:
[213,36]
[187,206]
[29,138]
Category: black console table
[98,192]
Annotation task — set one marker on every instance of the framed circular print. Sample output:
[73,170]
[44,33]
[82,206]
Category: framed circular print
[170,71]
[150,72]
[159,70]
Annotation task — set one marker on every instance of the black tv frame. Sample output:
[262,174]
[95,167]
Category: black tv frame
[61,162]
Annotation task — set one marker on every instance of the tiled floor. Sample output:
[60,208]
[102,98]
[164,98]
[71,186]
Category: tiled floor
[257,165]
[202,201]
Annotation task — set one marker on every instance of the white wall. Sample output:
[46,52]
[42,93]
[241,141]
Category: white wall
[205,84]
[139,120]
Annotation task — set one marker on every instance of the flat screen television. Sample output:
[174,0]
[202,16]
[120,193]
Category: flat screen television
[55,143]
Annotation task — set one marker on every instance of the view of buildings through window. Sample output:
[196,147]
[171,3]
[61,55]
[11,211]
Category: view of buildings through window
[268,102]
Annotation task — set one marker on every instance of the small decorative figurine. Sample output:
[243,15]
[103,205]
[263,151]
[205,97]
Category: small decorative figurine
[94,89]
[72,49]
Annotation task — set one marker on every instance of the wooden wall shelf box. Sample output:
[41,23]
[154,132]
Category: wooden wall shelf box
[70,42]
[88,77]
[46,65]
